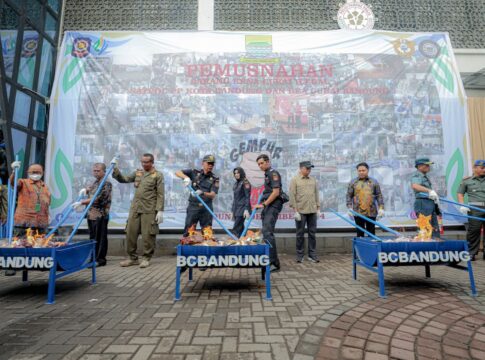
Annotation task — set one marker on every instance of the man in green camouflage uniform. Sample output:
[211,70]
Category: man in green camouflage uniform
[474,186]
[146,210]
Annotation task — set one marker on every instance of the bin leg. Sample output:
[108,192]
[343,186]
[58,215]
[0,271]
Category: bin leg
[263,273]
[25,275]
[177,284]
[380,274]
[268,283]
[191,274]
[51,290]
[472,278]
[427,270]
[354,264]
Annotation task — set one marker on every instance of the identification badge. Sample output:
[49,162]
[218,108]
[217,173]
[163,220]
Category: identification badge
[37,207]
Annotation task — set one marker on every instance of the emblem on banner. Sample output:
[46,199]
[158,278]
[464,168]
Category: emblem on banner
[429,49]
[259,48]
[81,47]
[355,15]
[29,47]
[404,47]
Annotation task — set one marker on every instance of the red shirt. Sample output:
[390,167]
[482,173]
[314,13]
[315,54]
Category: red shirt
[33,204]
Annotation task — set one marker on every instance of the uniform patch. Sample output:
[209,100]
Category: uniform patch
[275,177]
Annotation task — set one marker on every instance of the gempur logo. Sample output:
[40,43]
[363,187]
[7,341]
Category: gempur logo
[259,48]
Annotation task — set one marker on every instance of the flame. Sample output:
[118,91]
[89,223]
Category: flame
[207,233]
[191,230]
[425,229]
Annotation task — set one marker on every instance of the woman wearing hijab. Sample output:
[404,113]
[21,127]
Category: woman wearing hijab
[241,205]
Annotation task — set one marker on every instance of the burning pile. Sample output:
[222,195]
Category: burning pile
[206,238]
[33,240]
[425,231]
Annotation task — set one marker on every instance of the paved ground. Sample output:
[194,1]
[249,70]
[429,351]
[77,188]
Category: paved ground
[318,311]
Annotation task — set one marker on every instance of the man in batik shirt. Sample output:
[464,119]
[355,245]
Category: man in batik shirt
[365,197]
[98,214]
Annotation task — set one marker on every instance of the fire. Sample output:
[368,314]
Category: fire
[36,240]
[425,229]
[207,233]
[191,230]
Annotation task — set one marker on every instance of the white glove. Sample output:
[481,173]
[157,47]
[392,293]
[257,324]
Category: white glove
[16,165]
[199,192]
[350,214]
[433,196]
[78,206]
[297,216]
[159,217]
[464,210]
[246,214]
[83,192]
[380,214]
[114,161]
[187,181]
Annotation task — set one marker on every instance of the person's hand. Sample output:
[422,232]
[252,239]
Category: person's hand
[259,206]
[78,206]
[464,210]
[114,161]
[187,181]
[297,216]
[432,195]
[83,192]
[349,213]
[380,214]
[16,165]
[199,192]
[159,217]
[246,214]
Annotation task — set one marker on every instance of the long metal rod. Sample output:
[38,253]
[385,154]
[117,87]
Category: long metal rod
[355,225]
[382,226]
[211,212]
[11,206]
[98,190]
[64,217]
[253,213]
[457,203]
[464,216]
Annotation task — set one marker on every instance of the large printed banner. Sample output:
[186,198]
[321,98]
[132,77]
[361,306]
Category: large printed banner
[336,98]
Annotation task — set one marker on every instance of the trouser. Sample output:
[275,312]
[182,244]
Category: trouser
[197,215]
[428,207]
[370,227]
[269,216]
[474,231]
[145,225]
[98,230]
[310,220]
[238,227]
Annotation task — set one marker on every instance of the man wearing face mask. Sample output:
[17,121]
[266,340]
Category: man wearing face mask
[206,185]
[146,210]
[241,205]
[33,200]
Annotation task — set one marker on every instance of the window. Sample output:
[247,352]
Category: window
[30,44]
[22,109]
[46,68]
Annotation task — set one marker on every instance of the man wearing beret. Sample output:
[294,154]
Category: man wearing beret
[426,205]
[305,200]
[206,185]
[474,186]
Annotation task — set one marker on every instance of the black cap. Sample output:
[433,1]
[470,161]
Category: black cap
[307,164]
[209,159]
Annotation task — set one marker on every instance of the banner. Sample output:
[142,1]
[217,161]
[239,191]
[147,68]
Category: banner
[335,97]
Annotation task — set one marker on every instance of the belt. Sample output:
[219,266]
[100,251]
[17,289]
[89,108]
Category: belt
[477,203]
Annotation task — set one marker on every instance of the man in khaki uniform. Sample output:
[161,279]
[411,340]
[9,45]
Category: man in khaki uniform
[146,210]
[474,186]
[304,199]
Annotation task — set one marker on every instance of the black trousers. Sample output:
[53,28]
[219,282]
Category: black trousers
[98,230]
[428,207]
[310,220]
[474,230]
[197,215]
[269,216]
[238,227]
[370,227]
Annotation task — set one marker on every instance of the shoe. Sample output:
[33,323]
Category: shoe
[313,259]
[299,259]
[144,263]
[472,258]
[128,262]
[274,268]
[100,263]
[10,272]
[202,268]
